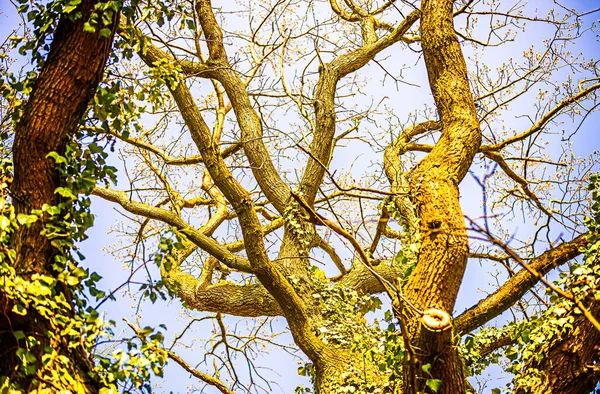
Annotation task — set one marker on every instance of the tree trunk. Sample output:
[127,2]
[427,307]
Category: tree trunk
[442,259]
[67,82]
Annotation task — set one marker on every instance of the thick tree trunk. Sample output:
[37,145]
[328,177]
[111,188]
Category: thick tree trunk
[66,83]
[442,259]
[434,283]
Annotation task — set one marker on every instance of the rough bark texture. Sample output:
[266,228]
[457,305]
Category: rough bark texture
[514,288]
[66,83]
[295,302]
[442,259]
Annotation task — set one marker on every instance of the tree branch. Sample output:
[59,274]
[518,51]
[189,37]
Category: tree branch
[518,179]
[194,372]
[205,243]
[540,124]
[325,117]
[258,155]
[516,287]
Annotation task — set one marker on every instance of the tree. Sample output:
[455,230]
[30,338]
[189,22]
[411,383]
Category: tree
[229,141]
[48,330]
[36,262]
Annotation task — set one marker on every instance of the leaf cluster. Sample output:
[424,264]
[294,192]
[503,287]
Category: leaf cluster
[63,299]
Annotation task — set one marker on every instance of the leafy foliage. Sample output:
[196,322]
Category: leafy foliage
[556,322]
[82,328]
[532,338]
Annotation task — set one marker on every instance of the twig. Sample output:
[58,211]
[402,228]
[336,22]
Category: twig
[175,357]
[337,185]
[566,294]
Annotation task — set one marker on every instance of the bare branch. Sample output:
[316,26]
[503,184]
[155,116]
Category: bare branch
[202,241]
[515,287]
[540,124]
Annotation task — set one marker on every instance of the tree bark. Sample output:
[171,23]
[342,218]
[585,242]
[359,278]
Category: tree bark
[67,82]
[442,259]
[516,287]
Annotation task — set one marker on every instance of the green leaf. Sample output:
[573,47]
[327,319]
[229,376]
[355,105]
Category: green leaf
[95,277]
[512,353]
[26,356]
[105,32]
[70,8]
[4,223]
[113,5]
[400,259]
[58,159]
[79,272]
[469,343]
[52,210]
[88,28]
[26,219]
[426,368]
[19,310]
[65,192]
[434,384]
[146,331]
[387,316]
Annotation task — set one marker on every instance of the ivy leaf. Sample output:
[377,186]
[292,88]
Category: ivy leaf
[434,384]
[426,368]
[19,335]
[105,32]
[19,310]
[25,356]
[88,28]
[26,219]
[65,192]
[70,8]
[387,316]
[512,353]
[58,159]
[4,223]
[72,280]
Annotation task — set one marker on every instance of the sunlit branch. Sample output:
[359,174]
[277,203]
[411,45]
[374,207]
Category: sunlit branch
[327,248]
[516,287]
[342,13]
[380,229]
[389,286]
[540,124]
[487,256]
[325,117]
[165,157]
[202,241]
[261,164]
